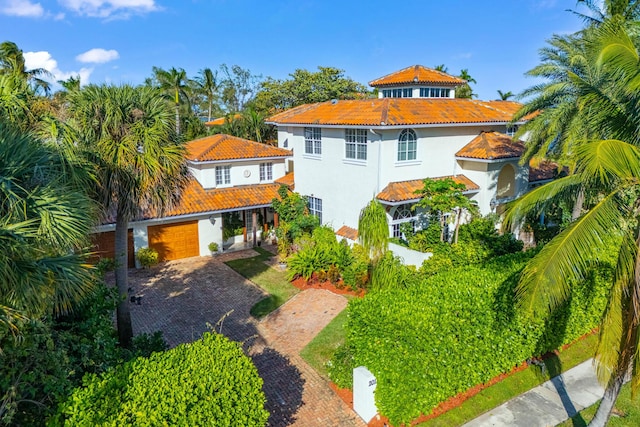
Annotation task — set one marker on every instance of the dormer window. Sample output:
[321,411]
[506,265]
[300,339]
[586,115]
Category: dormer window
[511,130]
[397,93]
[223,175]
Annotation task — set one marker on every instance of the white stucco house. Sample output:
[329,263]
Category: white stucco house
[231,177]
[347,152]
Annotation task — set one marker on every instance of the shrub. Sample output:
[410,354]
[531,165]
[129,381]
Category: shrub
[356,274]
[307,261]
[213,247]
[436,337]
[148,257]
[207,382]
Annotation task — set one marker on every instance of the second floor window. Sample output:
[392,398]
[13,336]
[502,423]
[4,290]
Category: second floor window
[266,171]
[407,145]
[397,93]
[223,175]
[313,141]
[355,144]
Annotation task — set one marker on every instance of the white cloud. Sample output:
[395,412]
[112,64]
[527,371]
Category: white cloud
[98,56]
[43,59]
[23,8]
[110,8]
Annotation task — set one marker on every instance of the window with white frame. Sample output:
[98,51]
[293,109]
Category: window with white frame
[407,145]
[266,171]
[402,215]
[315,207]
[223,175]
[313,141]
[511,130]
[397,93]
[434,92]
[355,144]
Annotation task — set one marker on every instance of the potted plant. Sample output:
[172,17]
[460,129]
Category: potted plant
[213,247]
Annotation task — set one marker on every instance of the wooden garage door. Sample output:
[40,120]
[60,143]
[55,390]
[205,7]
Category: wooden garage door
[175,241]
[104,244]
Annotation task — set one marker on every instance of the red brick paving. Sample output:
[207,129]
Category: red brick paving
[181,297]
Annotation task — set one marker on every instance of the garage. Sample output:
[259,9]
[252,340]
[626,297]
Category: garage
[104,246]
[175,241]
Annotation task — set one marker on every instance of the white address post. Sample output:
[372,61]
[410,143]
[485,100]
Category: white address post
[364,384]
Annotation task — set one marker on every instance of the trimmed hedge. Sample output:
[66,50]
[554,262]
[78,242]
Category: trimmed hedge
[444,334]
[207,382]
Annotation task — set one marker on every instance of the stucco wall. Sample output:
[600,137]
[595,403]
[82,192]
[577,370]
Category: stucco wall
[242,173]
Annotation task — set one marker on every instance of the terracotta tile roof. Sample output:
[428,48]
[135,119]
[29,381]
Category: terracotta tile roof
[543,171]
[404,191]
[492,146]
[196,199]
[398,112]
[222,120]
[417,74]
[286,180]
[348,232]
[227,147]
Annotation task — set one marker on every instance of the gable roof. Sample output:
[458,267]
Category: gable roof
[227,147]
[492,146]
[405,191]
[384,112]
[417,74]
[348,233]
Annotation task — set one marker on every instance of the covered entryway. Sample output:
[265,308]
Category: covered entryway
[104,246]
[175,241]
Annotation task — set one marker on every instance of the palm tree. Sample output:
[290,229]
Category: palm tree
[45,219]
[465,90]
[207,85]
[14,101]
[175,84]
[12,62]
[140,166]
[600,11]
[504,96]
[606,172]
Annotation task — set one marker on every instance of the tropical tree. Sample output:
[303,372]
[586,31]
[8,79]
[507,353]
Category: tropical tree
[12,62]
[238,87]
[206,84]
[175,85]
[444,196]
[14,101]
[45,218]
[138,160]
[504,96]
[441,67]
[373,230]
[601,11]
[465,91]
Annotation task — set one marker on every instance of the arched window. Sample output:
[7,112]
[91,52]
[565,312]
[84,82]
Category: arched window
[506,183]
[407,145]
[402,214]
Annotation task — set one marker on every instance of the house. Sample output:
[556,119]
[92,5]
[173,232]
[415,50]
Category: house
[347,152]
[227,200]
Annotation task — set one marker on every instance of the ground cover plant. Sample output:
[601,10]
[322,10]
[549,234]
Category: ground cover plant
[434,337]
[207,382]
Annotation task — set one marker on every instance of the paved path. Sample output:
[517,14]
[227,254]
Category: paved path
[181,298]
[548,404]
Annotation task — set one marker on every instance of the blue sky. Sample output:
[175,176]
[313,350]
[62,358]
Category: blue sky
[118,41]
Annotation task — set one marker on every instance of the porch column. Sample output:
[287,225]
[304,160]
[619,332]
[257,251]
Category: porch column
[254,220]
[244,226]
[275,220]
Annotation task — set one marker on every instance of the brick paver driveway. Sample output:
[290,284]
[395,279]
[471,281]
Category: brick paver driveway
[182,297]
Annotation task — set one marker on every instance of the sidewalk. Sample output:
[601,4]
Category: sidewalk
[548,404]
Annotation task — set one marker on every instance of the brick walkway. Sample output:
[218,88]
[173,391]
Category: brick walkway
[181,297]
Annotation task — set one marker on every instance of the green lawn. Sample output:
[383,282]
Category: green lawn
[515,385]
[627,409]
[272,281]
[318,352]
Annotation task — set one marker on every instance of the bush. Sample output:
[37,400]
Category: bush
[433,338]
[148,257]
[207,382]
[356,274]
[213,247]
[307,261]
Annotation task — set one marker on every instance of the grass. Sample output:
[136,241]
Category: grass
[515,385]
[271,280]
[629,412]
[318,352]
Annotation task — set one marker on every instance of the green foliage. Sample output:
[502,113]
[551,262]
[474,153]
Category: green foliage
[293,214]
[433,338]
[232,225]
[356,274]
[207,382]
[373,229]
[148,257]
[305,87]
[307,261]
[213,247]
[41,369]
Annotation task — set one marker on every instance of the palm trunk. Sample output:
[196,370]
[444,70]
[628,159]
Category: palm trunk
[609,399]
[123,315]
[177,120]
[210,108]
[577,207]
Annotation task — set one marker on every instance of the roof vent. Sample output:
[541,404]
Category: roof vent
[334,101]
